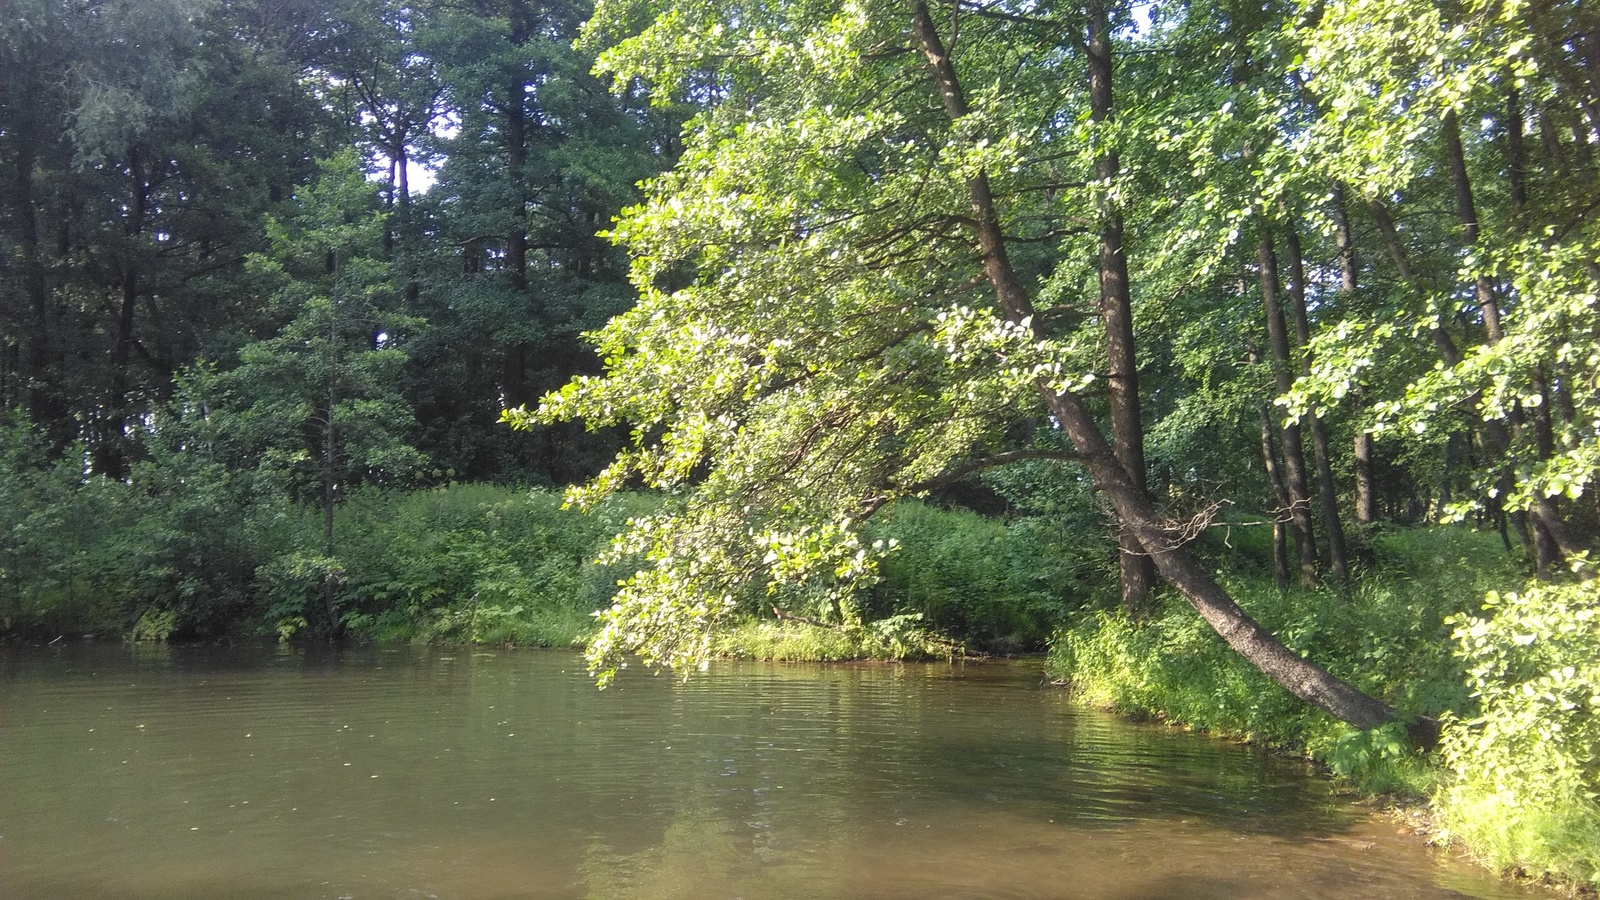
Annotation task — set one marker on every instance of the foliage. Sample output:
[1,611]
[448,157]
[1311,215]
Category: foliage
[316,400]
[993,585]
[474,563]
[902,637]
[1527,778]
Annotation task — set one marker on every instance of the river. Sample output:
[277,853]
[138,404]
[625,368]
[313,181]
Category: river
[177,771]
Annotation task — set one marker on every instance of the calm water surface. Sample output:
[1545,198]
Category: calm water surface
[208,772]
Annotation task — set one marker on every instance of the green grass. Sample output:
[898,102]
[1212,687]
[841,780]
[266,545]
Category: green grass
[901,638]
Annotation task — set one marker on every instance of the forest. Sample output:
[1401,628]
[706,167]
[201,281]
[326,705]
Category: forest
[1243,356]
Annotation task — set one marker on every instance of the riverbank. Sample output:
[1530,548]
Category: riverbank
[1434,629]
[1439,622]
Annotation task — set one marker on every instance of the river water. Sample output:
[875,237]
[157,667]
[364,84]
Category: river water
[170,771]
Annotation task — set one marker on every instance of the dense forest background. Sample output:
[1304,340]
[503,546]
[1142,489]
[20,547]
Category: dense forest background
[202,191]
[224,302]
[222,291]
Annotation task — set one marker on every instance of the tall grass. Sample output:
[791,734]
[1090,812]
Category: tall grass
[1430,629]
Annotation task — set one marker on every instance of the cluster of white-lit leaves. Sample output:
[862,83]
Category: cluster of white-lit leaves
[1553,322]
[1387,72]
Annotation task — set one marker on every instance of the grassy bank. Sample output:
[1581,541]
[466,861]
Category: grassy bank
[1430,628]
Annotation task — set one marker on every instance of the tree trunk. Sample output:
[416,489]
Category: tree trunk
[515,362]
[1366,501]
[1516,153]
[110,455]
[1294,460]
[1483,287]
[1344,239]
[1280,542]
[1442,341]
[1300,676]
[38,395]
[1366,509]
[330,484]
[1327,494]
[1138,572]
[1552,538]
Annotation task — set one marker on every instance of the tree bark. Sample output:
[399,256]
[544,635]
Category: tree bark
[1138,572]
[1294,461]
[1366,508]
[37,393]
[1366,501]
[1238,629]
[1516,153]
[1467,210]
[1298,675]
[110,452]
[515,360]
[1280,540]
[1442,341]
[1552,538]
[1327,494]
[1344,239]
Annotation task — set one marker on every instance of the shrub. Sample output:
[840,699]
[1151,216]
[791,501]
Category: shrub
[894,638]
[1527,762]
[475,563]
[989,583]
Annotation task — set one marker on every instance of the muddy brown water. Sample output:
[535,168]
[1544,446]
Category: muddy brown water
[156,771]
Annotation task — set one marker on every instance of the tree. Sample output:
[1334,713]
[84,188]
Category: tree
[1506,297]
[510,268]
[839,307]
[313,409]
[143,141]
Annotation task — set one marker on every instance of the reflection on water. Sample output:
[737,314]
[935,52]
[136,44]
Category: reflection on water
[156,771]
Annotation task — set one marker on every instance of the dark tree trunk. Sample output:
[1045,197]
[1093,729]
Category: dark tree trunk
[38,394]
[1516,153]
[1300,676]
[1467,210]
[1366,510]
[1280,535]
[1344,239]
[1294,461]
[1327,493]
[1552,538]
[110,454]
[1238,629]
[1366,500]
[1442,341]
[1138,572]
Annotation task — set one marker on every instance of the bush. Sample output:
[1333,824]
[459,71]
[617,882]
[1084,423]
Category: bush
[1527,762]
[475,564]
[894,638]
[989,583]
